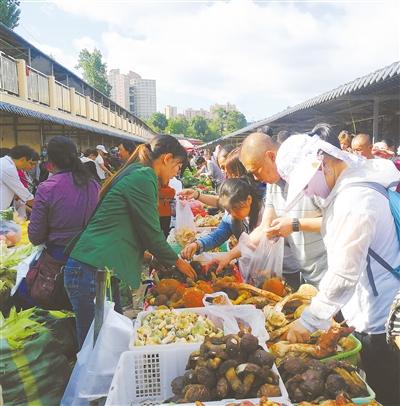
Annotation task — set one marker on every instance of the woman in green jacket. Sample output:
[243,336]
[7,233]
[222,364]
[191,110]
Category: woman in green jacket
[125,225]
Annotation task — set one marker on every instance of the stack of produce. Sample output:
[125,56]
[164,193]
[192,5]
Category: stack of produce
[341,400]
[262,402]
[314,381]
[322,345]
[207,220]
[233,366]
[166,327]
[9,259]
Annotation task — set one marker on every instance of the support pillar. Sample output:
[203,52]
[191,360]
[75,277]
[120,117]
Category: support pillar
[52,92]
[375,120]
[72,101]
[22,79]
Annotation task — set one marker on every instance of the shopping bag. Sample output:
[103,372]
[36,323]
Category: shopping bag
[260,262]
[184,216]
[185,228]
[95,366]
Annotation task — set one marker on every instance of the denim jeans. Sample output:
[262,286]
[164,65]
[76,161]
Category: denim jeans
[80,284]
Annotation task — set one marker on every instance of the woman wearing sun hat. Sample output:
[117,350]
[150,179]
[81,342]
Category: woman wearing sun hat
[356,218]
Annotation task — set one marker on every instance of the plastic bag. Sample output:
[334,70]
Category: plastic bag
[260,262]
[95,367]
[185,228]
[10,231]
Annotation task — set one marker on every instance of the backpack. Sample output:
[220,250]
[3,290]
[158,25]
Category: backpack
[394,202]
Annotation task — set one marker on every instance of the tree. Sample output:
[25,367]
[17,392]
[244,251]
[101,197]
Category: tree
[94,70]
[198,127]
[158,122]
[225,122]
[178,125]
[235,120]
[9,13]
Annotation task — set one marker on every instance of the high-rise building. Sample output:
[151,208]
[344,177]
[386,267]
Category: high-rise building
[119,87]
[227,107]
[170,112]
[142,97]
[190,113]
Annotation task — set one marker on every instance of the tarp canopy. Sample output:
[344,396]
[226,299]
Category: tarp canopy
[186,144]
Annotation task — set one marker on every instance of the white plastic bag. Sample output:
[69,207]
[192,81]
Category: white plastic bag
[184,216]
[260,262]
[95,367]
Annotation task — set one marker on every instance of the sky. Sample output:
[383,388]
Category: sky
[263,56]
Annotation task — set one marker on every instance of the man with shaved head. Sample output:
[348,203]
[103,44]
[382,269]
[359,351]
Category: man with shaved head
[362,145]
[304,247]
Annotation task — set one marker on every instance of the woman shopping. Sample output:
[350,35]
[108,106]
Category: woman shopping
[63,204]
[359,231]
[125,224]
[241,198]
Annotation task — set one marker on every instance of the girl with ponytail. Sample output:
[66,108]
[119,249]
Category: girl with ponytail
[125,225]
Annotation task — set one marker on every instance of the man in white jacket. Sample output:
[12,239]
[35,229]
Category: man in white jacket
[356,218]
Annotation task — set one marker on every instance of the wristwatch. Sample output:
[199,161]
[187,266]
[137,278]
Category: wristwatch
[295,225]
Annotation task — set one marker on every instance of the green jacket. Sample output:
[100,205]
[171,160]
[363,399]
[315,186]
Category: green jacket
[125,225]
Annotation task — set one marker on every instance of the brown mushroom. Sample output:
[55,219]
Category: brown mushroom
[177,385]
[262,358]
[205,376]
[196,392]
[222,388]
[268,390]
[189,377]
[248,343]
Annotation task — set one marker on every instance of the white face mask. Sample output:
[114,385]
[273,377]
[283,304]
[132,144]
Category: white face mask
[317,185]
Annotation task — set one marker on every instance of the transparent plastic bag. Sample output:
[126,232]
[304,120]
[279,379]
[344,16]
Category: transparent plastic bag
[95,366]
[185,228]
[10,232]
[260,262]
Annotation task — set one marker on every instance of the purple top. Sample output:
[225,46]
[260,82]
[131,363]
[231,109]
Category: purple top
[61,209]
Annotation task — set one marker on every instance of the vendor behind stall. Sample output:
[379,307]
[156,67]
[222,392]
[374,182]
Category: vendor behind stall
[125,224]
[359,232]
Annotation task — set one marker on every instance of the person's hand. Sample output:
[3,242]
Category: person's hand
[189,250]
[185,268]
[298,333]
[187,194]
[280,227]
[222,261]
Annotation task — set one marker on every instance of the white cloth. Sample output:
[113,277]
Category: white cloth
[356,219]
[10,184]
[303,251]
[85,159]
[100,172]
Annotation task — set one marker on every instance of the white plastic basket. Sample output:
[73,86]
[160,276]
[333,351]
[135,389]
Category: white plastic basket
[143,376]
[224,317]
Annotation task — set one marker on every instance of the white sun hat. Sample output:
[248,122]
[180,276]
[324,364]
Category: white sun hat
[102,148]
[298,160]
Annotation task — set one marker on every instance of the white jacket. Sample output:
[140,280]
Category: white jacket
[355,219]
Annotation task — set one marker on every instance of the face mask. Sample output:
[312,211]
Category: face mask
[318,186]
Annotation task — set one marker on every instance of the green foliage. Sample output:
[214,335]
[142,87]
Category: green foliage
[9,13]
[158,122]
[199,127]
[94,70]
[225,122]
[178,125]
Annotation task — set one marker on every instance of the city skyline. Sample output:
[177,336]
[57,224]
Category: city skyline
[261,56]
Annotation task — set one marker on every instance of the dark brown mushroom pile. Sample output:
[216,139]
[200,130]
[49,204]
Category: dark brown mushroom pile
[313,381]
[233,366]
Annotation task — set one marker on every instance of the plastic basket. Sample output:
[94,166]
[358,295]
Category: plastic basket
[224,317]
[367,399]
[349,356]
[143,376]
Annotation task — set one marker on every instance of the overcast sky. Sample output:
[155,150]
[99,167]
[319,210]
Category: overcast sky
[262,56]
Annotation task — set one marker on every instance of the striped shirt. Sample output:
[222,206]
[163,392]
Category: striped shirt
[393,322]
[307,248]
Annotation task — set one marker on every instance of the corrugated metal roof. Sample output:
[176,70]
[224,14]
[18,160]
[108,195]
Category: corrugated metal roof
[10,108]
[376,77]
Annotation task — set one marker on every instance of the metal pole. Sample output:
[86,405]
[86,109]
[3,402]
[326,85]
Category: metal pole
[375,120]
[99,305]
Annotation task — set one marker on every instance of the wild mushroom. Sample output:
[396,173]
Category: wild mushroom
[248,343]
[196,392]
[222,388]
[227,369]
[262,358]
[205,377]
[177,385]
[189,377]
[268,390]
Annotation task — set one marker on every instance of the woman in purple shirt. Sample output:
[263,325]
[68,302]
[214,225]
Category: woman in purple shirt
[64,202]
